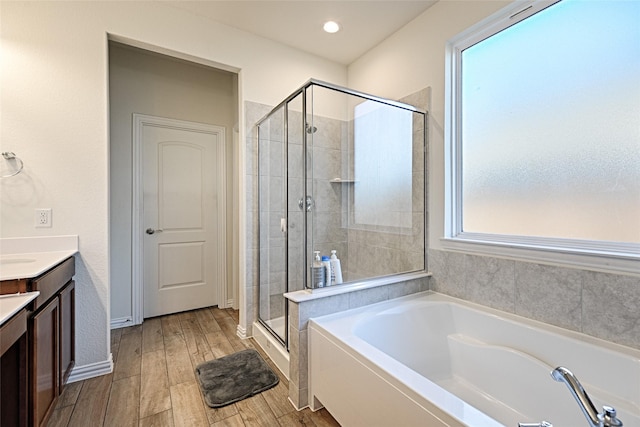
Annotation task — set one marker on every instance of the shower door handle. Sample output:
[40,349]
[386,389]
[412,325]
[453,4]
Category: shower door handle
[308,202]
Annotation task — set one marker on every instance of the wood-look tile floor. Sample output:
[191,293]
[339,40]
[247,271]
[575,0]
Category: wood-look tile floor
[153,382]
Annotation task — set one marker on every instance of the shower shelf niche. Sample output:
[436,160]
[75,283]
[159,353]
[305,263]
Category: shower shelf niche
[342,181]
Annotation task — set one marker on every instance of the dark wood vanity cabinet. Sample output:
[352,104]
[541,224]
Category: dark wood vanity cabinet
[44,357]
[67,331]
[13,371]
[37,347]
[51,332]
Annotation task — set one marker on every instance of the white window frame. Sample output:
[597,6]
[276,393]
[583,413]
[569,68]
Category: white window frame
[606,256]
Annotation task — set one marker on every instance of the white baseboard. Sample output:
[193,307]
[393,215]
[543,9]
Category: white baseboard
[121,322]
[241,332]
[91,370]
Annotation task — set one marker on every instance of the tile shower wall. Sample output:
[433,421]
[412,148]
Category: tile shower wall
[328,157]
[603,305]
[253,113]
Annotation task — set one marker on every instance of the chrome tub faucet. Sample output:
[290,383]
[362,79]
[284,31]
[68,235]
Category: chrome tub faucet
[607,418]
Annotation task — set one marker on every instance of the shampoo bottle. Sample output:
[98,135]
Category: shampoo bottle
[318,275]
[336,269]
[327,266]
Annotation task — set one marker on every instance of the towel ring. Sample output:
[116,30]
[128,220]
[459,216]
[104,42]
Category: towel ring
[8,155]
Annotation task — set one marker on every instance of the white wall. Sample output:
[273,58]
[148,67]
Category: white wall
[411,59]
[54,116]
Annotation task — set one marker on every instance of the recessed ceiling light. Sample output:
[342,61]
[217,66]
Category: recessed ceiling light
[331,27]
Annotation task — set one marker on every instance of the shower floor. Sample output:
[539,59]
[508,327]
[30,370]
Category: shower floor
[277,325]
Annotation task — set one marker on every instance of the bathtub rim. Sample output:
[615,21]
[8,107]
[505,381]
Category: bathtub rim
[372,309]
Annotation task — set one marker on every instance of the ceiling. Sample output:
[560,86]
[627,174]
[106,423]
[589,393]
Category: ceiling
[298,23]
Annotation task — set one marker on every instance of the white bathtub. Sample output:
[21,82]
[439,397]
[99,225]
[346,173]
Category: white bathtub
[432,360]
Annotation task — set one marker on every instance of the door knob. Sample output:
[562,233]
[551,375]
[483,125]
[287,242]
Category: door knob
[306,202]
[152,231]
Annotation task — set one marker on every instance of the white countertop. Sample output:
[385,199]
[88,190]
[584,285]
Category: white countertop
[30,265]
[26,258]
[13,303]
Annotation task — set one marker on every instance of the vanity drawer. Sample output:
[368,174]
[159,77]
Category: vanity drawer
[52,281]
[11,331]
[13,286]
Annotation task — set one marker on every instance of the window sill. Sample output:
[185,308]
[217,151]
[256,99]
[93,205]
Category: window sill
[605,262]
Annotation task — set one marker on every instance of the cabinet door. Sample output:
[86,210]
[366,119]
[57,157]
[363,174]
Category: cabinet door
[44,364]
[67,331]
[13,371]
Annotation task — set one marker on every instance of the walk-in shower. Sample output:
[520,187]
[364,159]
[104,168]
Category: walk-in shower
[337,170]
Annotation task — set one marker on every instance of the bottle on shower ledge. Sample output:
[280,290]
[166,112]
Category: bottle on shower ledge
[317,272]
[327,266]
[336,268]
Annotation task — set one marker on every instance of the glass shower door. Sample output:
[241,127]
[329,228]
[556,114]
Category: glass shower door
[281,208]
[272,223]
[298,201]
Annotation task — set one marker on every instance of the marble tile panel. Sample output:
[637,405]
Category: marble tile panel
[368,296]
[402,289]
[253,112]
[299,397]
[272,193]
[611,307]
[294,356]
[328,133]
[448,272]
[251,267]
[549,294]
[271,158]
[419,150]
[251,195]
[251,230]
[296,125]
[418,192]
[302,350]
[251,153]
[320,307]
[327,163]
[491,282]
[419,99]
[295,162]
[327,196]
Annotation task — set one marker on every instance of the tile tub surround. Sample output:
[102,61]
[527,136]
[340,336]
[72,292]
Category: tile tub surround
[603,305]
[302,310]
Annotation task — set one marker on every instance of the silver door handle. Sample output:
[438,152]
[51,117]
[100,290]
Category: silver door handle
[305,203]
[152,231]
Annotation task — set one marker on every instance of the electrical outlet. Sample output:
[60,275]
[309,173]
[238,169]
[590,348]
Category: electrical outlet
[43,218]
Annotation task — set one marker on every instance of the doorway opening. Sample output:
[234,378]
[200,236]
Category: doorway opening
[147,83]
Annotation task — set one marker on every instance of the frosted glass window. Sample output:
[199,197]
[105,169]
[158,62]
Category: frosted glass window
[549,125]
[383,147]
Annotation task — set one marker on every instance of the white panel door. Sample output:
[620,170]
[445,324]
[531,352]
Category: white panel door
[180,224]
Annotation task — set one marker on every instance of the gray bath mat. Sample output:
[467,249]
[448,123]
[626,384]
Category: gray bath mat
[234,377]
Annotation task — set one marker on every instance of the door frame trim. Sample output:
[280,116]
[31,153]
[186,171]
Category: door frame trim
[137,249]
